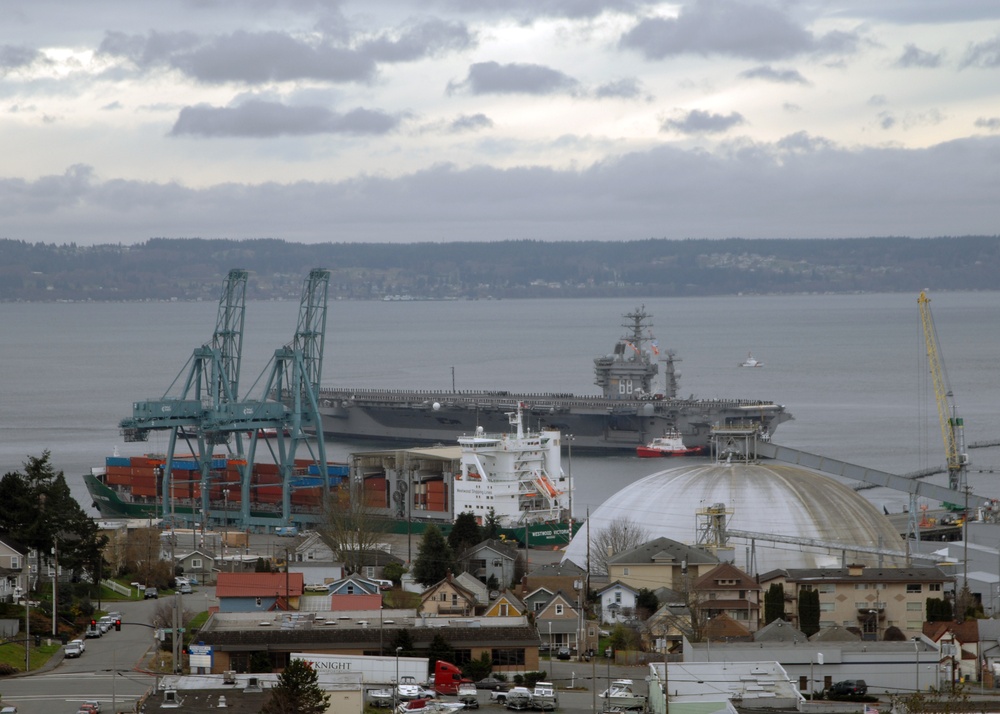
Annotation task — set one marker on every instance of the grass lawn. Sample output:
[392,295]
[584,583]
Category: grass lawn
[13,654]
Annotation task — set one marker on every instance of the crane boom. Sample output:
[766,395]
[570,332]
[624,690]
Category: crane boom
[952,427]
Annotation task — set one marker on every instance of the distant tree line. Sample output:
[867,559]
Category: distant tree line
[193,269]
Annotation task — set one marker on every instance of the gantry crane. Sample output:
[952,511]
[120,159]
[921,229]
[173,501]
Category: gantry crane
[211,380]
[952,426]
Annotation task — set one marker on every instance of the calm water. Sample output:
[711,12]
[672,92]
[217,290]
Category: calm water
[852,369]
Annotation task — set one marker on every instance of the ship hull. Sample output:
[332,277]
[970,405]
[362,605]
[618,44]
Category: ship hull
[596,424]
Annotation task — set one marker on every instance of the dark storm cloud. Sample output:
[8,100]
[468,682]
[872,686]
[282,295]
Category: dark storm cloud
[983,54]
[17,57]
[495,78]
[728,27]
[702,122]
[259,119]
[470,122]
[259,57]
[627,88]
[801,188]
[770,74]
[913,56]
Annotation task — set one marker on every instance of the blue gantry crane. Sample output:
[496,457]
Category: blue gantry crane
[205,406]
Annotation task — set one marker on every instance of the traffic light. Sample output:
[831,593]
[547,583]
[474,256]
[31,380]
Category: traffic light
[93,623]
[118,625]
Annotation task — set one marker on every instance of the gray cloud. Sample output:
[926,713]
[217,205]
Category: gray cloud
[526,9]
[470,122]
[913,56]
[801,185]
[770,74]
[983,54]
[415,41]
[989,123]
[627,88]
[258,118]
[19,57]
[701,122]
[728,27]
[514,78]
[260,57]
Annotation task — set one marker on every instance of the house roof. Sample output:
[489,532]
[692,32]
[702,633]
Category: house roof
[663,550]
[725,571]
[723,627]
[510,598]
[449,579]
[615,585]
[566,568]
[836,633]
[493,544]
[14,545]
[920,574]
[779,631]
[259,584]
[473,585]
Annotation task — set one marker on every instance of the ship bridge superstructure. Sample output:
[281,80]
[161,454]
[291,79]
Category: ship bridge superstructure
[517,475]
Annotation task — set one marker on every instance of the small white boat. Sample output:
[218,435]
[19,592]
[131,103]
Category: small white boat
[380,697]
[428,706]
[622,696]
[408,689]
[468,695]
[518,698]
[543,697]
[751,361]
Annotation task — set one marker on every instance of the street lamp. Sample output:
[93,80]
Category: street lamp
[395,690]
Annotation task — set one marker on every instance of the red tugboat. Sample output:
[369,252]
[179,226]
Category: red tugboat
[670,444]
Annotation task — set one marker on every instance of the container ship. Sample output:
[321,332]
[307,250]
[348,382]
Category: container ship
[514,477]
[631,411]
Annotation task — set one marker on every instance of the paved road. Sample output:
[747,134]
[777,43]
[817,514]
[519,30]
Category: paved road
[114,669]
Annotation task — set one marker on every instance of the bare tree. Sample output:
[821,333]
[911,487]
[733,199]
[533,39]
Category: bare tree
[620,535]
[352,529]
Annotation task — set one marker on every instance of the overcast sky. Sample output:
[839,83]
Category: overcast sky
[443,120]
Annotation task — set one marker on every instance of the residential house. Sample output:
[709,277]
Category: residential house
[506,605]
[315,549]
[959,644]
[197,564]
[617,602]
[354,593]
[258,592]
[870,599]
[559,625]
[670,624]
[448,597]
[474,585]
[373,562]
[14,571]
[725,589]
[536,599]
[660,562]
[490,559]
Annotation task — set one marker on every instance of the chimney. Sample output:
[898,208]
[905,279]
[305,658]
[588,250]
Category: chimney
[855,570]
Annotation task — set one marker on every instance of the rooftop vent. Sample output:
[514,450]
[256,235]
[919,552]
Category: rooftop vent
[253,684]
[229,676]
[170,699]
[222,702]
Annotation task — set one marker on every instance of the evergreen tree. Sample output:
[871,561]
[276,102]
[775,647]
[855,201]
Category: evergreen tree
[297,692]
[809,612]
[403,641]
[491,526]
[439,649]
[646,603]
[774,603]
[435,558]
[464,533]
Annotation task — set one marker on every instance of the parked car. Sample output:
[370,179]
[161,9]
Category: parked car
[492,683]
[149,593]
[93,631]
[850,687]
[105,623]
[81,643]
[72,650]
[564,653]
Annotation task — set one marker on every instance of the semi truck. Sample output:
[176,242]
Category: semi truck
[374,669]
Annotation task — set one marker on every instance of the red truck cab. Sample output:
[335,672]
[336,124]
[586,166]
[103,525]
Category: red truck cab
[447,677]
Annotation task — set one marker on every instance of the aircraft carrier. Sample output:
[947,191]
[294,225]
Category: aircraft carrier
[629,412]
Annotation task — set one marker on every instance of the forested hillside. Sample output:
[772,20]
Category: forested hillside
[186,269]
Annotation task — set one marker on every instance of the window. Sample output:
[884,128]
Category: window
[258,602]
[827,606]
[350,589]
[860,586]
[538,606]
[625,570]
[196,564]
[454,598]
[370,571]
[461,657]
[618,596]
[444,597]
[915,625]
[827,588]
[15,562]
[914,588]
[503,609]
[934,587]
[915,606]
[743,594]
[559,609]
[508,657]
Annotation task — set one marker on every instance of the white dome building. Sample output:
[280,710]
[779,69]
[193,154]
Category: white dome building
[769,498]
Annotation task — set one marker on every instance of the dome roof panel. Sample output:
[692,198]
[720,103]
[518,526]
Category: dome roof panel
[767,498]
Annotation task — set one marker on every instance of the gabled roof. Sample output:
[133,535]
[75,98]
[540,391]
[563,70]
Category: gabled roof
[725,571]
[618,584]
[377,557]
[538,591]
[184,556]
[259,584]
[835,633]
[558,598]
[967,631]
[723,626]
[919,574]
[364,586]
[14,545]
[473,585]
[566,568]
[494,544]
[665,551]
[779,631]
[449,580]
